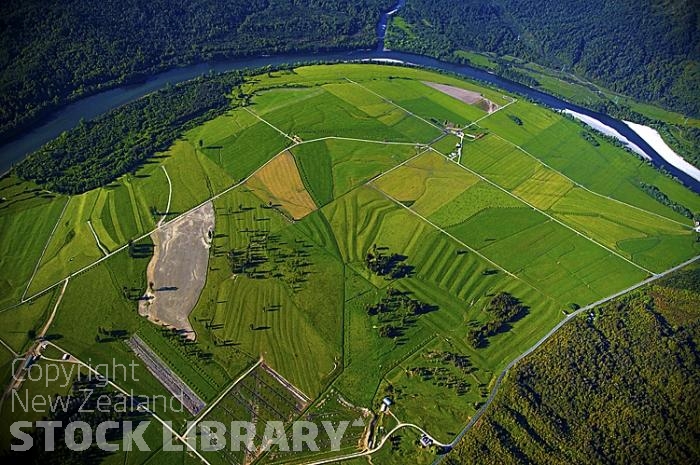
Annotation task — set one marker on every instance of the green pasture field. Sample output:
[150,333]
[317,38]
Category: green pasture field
[16,323]
[334,408]
[606,169]
[443,406]
[122,211]
[332,167]
[426,183]
[96,299]
[258,398]
[27,217]
[565,255]
[317,75]
[426,102]
[603,219]
[301,293]
[288,322]
[238,142]
[454,281]
[72,246]
[613,224]
[333,116]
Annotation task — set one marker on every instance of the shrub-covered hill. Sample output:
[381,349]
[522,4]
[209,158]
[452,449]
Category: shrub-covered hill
[621,386]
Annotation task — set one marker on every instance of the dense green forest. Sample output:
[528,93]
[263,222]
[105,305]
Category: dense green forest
[619,385]
[643,48]
[54,51]
[97,152]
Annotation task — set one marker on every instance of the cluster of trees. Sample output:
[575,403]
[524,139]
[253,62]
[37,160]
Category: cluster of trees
[190,348]
[660,197]
[505,309]
[396,312]
[55,52]
[590,138]
[630,46]
[265,256]
[384,263]
[515,119]
[97,152]
[619,387]
[443,374]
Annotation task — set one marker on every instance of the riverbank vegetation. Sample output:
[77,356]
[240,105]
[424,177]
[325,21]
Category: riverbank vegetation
[655,60]
[618,65]
[56,52]
[97,152]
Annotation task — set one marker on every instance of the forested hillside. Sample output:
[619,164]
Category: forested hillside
[620,386]
[53,51]
[643,48]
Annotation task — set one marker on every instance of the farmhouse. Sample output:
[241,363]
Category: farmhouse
[386,402]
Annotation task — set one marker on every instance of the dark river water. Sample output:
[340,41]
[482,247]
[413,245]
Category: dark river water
[87,108]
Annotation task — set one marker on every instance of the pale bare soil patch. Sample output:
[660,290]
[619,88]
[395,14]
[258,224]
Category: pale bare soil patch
[467,96]
[280,184]
[178,270]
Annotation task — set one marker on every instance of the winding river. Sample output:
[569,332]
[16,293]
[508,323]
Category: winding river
[90,107]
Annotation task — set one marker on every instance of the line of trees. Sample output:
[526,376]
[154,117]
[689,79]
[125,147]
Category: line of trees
[660,197]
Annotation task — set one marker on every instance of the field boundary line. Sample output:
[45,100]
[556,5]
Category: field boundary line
[221,396]
[408,160]
[46,246]
[476,252]
[170,196]
[368,141]
[97,240]
[578,184]
[268,123]
[140,406]
[546,337]
[443,231]
[210,199]
[43,331]
[474,123]
[501,376]
[7,346]
[410,113]
[547,215]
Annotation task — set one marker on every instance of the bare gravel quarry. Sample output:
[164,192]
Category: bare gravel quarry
[178,270]
[466,96]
